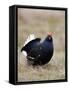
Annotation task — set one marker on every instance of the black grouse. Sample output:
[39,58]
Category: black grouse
[39,52]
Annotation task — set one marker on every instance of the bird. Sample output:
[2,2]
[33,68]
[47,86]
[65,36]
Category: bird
[37,51]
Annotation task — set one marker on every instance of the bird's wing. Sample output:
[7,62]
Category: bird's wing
[35,52]
[31,44]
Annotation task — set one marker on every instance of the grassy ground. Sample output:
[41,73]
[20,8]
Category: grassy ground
[39,23]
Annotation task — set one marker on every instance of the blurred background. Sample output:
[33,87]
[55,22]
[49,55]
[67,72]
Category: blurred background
[39,22]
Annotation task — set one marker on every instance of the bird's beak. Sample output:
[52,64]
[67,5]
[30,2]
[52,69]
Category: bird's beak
[49,37]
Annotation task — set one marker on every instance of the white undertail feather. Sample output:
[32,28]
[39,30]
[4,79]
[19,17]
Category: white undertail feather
[30,37]
[24,53]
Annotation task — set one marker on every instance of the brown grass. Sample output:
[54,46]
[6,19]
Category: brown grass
[39,23]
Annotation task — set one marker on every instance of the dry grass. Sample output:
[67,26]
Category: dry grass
[39,23]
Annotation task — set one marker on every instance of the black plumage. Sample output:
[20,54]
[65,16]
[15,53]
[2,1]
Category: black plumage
[39,53]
